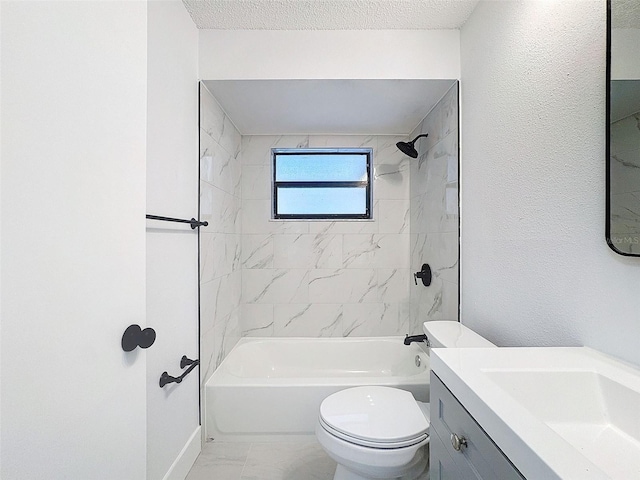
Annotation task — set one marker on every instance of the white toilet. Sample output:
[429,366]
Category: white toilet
[377,432]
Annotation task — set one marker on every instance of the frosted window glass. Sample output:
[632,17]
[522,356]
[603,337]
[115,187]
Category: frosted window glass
[321,168]
[322,201]
[322,183]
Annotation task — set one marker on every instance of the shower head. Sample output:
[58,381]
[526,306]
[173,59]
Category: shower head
[408,148]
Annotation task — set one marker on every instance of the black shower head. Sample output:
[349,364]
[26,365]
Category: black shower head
[408,148]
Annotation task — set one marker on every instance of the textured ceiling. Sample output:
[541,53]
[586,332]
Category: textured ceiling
[329,14]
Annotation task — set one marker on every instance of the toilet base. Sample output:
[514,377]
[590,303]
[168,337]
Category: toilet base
[419,465]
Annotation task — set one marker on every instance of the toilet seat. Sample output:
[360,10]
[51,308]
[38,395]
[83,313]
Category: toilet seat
[363,442]
[375,417]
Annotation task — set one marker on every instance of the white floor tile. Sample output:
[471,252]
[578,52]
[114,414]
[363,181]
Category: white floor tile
[288,461]
[220,461]
[283,460]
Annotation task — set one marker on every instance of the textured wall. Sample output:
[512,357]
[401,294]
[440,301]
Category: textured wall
[535,266]
[220,205]
[319,278]
[321,54]
[434,214]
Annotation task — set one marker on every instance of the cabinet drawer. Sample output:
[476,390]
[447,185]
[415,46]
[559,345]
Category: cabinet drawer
[480,458]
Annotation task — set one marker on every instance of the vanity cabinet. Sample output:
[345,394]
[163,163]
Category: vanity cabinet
[459,448]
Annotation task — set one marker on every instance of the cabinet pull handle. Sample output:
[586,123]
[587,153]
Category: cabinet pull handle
[458,442]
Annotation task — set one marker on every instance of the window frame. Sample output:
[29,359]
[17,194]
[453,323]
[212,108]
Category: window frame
[368,184]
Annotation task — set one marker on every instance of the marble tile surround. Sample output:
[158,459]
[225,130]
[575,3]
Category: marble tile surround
[434,214]
[221,240]
[319,278]
[625,182]
[261,277]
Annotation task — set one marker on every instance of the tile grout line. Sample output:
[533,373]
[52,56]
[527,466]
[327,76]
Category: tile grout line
[244,466]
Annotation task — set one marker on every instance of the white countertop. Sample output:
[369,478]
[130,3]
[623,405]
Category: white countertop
[566,413]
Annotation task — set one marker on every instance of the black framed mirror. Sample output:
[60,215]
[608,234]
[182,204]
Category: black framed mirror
[623,127]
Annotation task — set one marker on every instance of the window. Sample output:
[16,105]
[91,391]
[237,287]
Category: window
[322,183]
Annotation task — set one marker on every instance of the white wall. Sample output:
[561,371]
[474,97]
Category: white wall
[172,249]
[535,266]
[313,54]
[73,120]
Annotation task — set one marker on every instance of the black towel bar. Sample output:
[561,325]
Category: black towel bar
[193,222]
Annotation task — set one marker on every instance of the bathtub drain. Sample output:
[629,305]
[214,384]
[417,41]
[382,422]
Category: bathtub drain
[418,361]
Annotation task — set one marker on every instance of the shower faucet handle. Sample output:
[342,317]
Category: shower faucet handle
[424,275]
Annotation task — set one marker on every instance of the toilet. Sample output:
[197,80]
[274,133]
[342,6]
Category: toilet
[376,432]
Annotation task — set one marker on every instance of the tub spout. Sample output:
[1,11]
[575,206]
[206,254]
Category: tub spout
[415,338]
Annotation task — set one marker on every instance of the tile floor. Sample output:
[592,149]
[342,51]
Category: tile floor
[284,460]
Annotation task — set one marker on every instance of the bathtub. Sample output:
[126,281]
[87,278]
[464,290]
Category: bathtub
[274,386]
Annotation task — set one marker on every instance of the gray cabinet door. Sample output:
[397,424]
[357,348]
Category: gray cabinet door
[441,465]
[479,458]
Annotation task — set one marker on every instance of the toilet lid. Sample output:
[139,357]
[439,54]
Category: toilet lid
[374,416]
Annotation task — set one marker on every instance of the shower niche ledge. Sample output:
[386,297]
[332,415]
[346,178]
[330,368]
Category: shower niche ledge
[555,413]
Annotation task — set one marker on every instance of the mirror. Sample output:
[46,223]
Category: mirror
[623,127]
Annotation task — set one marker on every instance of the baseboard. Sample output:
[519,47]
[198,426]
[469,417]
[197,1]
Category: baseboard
[181,466]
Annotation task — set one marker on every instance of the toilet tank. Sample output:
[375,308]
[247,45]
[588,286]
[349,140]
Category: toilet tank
[450,334]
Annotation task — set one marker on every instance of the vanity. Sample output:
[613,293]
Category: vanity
[534,413]
[459,448]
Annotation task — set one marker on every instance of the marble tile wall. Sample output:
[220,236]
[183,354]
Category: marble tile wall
[434,214]
[261,277]
[221,240]
[625,184]
[320,278]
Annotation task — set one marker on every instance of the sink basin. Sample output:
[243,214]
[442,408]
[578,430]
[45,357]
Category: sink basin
[598,416]
[557,412]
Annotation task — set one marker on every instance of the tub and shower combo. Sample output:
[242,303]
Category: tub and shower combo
[274,386]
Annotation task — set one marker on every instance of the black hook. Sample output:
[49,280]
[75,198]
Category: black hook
[134,337]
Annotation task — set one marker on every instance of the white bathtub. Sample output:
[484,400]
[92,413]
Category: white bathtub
[274,386]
